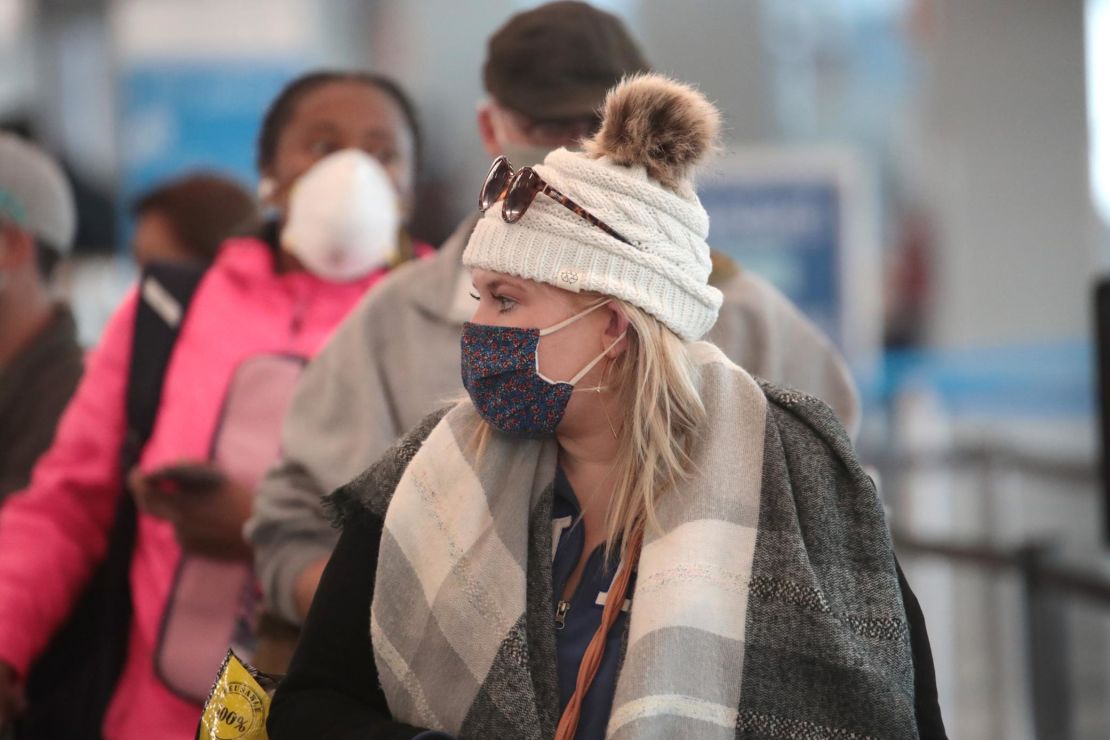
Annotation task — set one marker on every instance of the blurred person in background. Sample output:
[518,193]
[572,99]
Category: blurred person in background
[186,219]
[40,360]
[337,154]
[396,359]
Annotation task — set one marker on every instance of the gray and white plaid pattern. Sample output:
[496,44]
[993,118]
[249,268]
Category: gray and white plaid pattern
[742,622]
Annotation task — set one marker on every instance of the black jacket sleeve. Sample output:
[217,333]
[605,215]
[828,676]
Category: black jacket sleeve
[930,724]
[332,689]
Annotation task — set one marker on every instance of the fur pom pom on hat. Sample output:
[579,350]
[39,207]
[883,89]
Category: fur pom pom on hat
[634,175]
[656,123]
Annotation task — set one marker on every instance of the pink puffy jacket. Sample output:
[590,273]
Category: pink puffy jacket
[53,533]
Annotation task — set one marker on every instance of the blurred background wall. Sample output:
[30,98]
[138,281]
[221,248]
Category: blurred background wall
[930,179]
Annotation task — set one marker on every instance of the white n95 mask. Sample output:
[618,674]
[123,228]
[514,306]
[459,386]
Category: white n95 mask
[344,217]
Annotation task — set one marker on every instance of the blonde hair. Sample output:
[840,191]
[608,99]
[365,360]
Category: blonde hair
[656,383]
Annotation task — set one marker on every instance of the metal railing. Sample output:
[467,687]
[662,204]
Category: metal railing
[1049,584]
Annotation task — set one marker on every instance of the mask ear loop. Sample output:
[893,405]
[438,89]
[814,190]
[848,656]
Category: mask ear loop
[582,373]
[564,324]
[593,363]
[603,386]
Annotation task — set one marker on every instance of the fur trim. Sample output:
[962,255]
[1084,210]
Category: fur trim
[657,123]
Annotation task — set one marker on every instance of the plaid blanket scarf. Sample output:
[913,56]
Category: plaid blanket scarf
[767,606]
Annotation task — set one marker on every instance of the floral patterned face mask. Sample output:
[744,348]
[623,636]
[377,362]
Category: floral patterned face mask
[501,372]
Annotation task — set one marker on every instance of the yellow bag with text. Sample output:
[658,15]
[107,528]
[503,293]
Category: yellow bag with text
[238,704]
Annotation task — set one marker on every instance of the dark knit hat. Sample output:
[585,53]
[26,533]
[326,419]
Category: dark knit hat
[557,61]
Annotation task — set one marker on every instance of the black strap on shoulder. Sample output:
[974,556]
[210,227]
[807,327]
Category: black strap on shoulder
[165,292]
[70,685]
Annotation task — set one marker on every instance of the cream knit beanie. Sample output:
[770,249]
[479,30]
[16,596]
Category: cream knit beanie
[634,175]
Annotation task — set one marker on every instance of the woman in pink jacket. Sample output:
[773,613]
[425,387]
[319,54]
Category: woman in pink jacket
[256,316]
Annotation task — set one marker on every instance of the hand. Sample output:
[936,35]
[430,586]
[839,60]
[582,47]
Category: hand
[12,702]
[207,523]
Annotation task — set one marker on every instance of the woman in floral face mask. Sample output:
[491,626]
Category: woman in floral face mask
[619,533]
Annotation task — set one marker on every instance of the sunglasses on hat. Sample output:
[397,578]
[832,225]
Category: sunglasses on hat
[519,189]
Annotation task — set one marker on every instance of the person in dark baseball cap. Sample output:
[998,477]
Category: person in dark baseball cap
[40,360]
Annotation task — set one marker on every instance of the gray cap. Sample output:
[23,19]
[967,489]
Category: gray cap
[34,193]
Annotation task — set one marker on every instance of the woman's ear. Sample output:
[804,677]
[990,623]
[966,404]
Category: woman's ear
[616,332]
